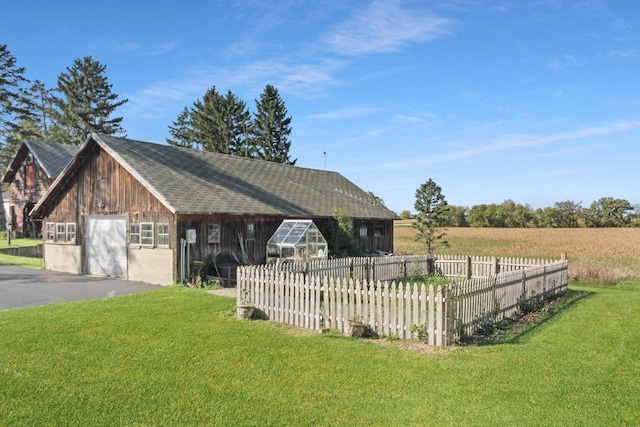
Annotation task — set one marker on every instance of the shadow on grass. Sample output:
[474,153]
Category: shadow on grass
[514,331]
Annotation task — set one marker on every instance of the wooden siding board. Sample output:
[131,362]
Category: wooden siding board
[102,179]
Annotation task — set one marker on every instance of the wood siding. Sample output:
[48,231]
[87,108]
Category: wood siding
[102,186]
[227,252]
[25,190]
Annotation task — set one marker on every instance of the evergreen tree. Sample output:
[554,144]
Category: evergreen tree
[272,127]
[205,121]
[217,123]
[12,110]
[88,102]
[41,103]
[432,211]
[182,132]
[237,120]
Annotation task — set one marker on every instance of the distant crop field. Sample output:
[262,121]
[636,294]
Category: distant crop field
[603,253]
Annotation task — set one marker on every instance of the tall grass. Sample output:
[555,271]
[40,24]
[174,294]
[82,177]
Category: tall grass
[601,254]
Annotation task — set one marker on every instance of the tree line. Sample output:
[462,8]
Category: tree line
[83,102]
[604,212]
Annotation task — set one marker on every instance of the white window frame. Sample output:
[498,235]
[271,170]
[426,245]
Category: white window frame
[364,231]
[134,235]
[61,232]
[162,231]
[213,232]
[50,232]
[251,231]
[71,233]
[147,234]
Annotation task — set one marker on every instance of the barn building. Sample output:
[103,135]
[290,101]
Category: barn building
[127,209]
[34,167]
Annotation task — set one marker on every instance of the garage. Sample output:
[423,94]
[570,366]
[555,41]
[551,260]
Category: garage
[106,246]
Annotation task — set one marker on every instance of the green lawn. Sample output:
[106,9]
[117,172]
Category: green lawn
[17,242]
[179,357]
[19,260]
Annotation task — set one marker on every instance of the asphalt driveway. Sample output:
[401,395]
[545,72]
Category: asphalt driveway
[24,287]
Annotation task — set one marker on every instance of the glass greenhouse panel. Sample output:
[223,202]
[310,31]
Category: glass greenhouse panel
[298,240]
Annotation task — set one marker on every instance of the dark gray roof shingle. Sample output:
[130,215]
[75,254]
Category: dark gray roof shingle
[52,157]
[191,181]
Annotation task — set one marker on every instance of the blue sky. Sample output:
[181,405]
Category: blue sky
[537,101]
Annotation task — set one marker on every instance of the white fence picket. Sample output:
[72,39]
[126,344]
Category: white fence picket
[388,308]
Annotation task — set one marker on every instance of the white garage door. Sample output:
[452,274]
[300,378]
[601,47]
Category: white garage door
[107,246]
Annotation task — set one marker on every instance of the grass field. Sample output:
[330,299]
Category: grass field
[606,254]
[180,357]
[19,260]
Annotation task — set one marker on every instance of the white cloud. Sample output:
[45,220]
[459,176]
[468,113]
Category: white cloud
[512,142]
[346,113]
[563,62]
[384,26]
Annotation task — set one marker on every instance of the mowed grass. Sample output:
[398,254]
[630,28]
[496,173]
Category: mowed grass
[609,254]
[180,357]
[19,260]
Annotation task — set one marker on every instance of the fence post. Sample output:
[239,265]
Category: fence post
[373,270]
[440,311]
[496,265]
[430,265]
[469,270]
[403,266]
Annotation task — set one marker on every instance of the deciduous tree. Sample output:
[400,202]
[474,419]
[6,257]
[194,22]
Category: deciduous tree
[608,212]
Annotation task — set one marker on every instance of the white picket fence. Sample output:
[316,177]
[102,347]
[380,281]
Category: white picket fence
[395,267]
[494,298]
[391,308]
[311,302]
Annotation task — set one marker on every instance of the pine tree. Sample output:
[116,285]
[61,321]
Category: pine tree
[431,208]
[37,118]
[89,102]
[237,120]
[218,123]
[182,132]
[11,107]
[41,104]
[205,121]
[272,127]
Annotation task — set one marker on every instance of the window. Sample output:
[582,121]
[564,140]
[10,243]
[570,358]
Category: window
[363,231]
[163,234]
[379,232]
[134,234]
[146,234]
[251,231]
[71,233]
[50,232]
[213,233]
[61,232]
